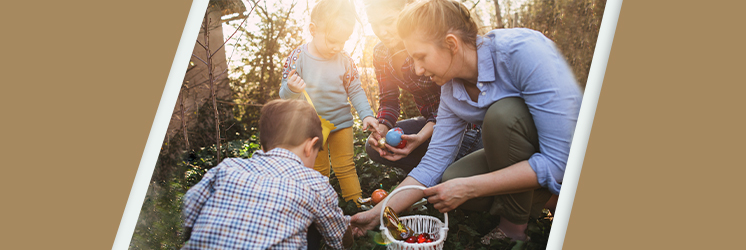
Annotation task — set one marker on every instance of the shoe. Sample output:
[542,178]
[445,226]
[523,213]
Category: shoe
[520,245]
[498,234]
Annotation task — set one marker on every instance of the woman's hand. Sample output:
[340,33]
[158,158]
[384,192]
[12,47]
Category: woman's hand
[450,194]
[295,83]
[413,141]
[364,221]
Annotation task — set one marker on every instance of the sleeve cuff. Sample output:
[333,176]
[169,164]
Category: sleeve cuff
[386,122]
[286,93]
[431,119]
[543,176]
[293,92]
[365,113]
[423,178]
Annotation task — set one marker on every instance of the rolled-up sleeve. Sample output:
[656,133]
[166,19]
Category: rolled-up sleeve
[285,92]
[553,96]
[388,91]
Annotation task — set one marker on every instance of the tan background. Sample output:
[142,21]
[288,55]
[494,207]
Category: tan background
[664,167]
[81,83]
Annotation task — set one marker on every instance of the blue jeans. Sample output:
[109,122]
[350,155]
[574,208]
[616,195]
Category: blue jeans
[472,142]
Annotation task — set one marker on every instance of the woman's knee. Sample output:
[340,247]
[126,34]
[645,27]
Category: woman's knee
[505,113]
[450,174]
[509,133]
[470,165]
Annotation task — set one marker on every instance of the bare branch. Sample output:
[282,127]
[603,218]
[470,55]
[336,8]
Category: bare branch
[244,104]
[206,26]
[200,59]
[234,32]
[475,5]
[221,74]
[203,46]
[183,119]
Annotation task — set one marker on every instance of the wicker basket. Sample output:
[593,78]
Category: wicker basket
[419,224]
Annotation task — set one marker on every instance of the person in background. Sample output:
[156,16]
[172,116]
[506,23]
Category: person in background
[394,71]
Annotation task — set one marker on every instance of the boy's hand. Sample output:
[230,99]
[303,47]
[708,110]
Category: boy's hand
[370,123]
[364,221]
[295,83]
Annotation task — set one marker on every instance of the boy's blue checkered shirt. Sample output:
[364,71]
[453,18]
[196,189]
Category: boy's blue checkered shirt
[266,202]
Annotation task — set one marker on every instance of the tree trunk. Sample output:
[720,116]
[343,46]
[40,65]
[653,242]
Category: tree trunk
[212,82]
[183,119]
[498,15]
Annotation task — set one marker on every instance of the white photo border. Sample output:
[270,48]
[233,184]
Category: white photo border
[585,121]
[160,125]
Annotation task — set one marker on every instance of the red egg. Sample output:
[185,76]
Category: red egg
[411,239]
[378,195]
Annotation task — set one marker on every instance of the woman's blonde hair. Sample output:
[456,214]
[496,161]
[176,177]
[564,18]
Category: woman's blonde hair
[437,18]
[327,12]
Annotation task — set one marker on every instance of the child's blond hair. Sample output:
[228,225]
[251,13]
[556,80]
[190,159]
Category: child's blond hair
[327,13]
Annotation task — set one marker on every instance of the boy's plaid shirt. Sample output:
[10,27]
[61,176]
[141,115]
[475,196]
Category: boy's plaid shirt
[264,202]
[425,92]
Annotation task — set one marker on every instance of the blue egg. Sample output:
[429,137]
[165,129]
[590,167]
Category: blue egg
[393,137]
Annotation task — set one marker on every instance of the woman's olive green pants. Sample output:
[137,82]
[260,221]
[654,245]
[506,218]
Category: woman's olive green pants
[509,136]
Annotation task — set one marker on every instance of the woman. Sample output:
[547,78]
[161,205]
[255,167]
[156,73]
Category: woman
[393,71]
[515,84]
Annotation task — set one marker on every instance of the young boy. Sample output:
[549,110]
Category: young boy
[268,201]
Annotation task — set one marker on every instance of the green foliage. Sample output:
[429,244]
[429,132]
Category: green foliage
[159,226]
[159,223]
[197,164]
[408,106]
[263,53]
[573,25]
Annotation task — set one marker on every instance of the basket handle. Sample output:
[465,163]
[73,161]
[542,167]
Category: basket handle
[383,204]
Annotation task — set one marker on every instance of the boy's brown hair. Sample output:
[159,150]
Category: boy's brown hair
[288,123]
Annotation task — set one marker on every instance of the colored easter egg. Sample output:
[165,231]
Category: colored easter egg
[393,137]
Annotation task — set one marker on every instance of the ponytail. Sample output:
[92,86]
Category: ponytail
[437,18]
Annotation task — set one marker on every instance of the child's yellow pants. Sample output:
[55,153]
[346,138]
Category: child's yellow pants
[339,149]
